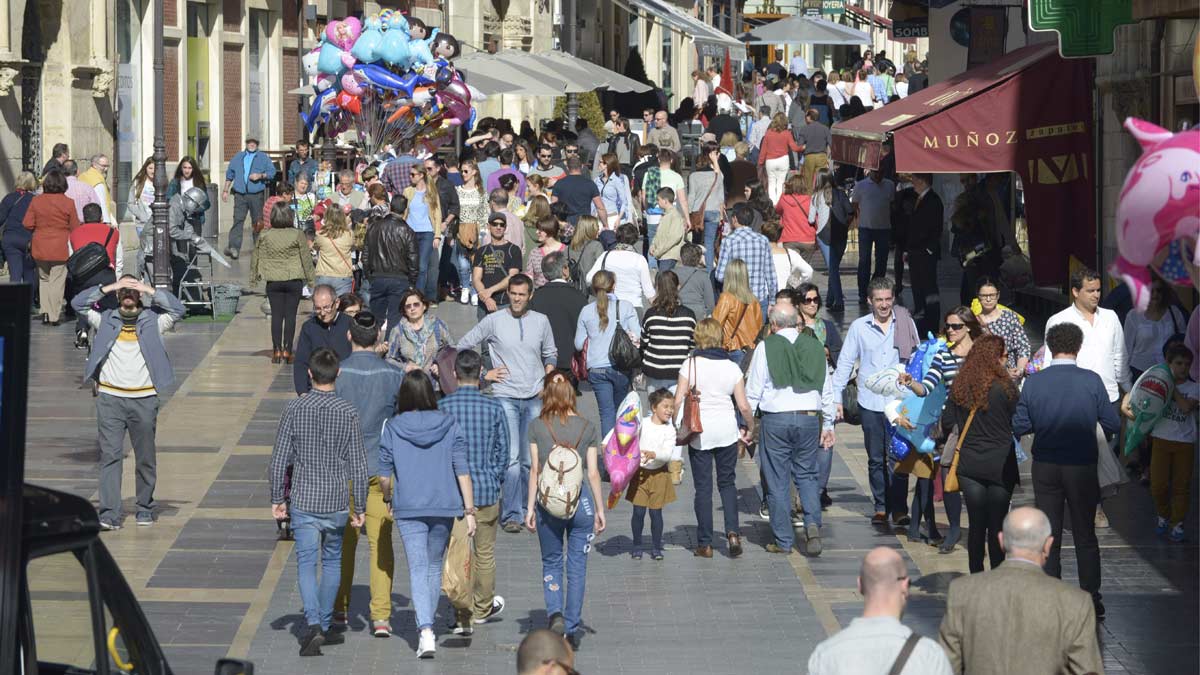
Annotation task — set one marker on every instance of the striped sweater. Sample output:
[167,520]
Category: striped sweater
[666,342]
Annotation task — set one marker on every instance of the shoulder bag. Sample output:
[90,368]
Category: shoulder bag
[622,353]
[89,259]
[795,275]
[952,475]
[905,652]
[696,218]
[690,426]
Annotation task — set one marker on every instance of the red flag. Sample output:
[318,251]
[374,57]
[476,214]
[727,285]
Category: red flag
[726,76]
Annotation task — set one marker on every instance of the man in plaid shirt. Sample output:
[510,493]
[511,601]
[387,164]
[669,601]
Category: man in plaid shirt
[395,174]
[320,438]
[485,425]
[751,247]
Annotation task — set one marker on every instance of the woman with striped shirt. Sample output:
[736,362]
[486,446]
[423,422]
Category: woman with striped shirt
[961,328]
[668,334]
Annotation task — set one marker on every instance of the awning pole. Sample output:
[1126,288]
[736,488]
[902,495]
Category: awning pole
[568,43]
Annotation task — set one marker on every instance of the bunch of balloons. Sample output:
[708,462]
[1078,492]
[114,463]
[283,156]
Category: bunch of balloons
[391,80]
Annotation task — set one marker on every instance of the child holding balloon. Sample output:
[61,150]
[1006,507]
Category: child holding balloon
[1173,441]
[651,488]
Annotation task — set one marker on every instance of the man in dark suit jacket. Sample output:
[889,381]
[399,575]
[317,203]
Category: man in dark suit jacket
[1061,406]
[561,303]
[1016,618]
[924,239]
[918,81]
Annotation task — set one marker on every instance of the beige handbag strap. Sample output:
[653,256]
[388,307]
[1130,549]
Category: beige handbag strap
[962,436]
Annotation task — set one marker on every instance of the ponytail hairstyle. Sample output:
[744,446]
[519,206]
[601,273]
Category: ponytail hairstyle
[602,284]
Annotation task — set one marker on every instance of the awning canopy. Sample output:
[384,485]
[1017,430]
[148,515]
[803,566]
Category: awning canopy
[807,30]
[551,73]
[709,41]
[866,15]
[1030,112]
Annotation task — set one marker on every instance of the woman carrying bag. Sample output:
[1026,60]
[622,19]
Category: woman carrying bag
[595,334]
[738,312]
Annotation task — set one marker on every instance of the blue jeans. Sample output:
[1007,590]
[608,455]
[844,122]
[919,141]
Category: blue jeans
[702,477]
[519,412]
[667,265]
[881,240]
[789,447]
[428,268]
[653,384]
[462,264]
[385,298]
[888,489]
[425,541]
[611,387]
[834,296]
[578,532]
[712,224]
[341,285]
[319,532]
[21,269]
[824,466]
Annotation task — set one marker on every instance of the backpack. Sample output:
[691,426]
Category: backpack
[560,482]
[576,274]
[90,259]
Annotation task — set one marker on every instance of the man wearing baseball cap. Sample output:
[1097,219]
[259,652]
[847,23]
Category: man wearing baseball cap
[248,176]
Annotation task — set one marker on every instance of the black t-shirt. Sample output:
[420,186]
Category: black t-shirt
[577,192]
[496,260]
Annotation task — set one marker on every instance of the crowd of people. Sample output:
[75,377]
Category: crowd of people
[607,262]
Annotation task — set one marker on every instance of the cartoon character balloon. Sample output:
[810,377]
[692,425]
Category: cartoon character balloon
[394,49]
[312,70]
[337,41]
[1158,215]
[453,97]
[366,48]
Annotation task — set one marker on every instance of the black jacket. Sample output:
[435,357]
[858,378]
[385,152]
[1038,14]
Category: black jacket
[561,303]
[391,250]
[313,336]
[925,226]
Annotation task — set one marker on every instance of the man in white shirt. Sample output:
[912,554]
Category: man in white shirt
[758,130]
[872,199]
[1103,350]
[877,642]
[791,385]
[798,66]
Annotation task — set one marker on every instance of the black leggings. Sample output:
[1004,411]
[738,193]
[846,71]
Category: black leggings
[656,527]
[987,505]
[284,297]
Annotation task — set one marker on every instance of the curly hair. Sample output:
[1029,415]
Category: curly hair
[983,367]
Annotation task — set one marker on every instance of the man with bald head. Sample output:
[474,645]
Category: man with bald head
[877,642]
[1016,618]
[544,652]
[326,328]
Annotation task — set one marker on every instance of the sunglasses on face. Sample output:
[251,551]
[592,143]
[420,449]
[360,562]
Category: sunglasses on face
[955,326]
[413,305]
[545,156]
[500,226]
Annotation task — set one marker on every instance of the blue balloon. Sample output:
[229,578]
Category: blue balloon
[366,48]
[330,60]
[394,48]
[420,50]
[381,77]
[318,109]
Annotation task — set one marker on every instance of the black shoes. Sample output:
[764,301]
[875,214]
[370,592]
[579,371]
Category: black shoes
[334,637]
[826,500]
[574,641]
[311,641]
[558,624]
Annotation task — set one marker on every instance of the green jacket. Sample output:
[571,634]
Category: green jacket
[281,255]
[670,235]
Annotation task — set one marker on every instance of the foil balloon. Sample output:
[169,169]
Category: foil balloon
[366,48]
[380,77]
[453,97]
[310,61]
[351,84]
[419,44]
[394,48]
[1159,206]
[622,453]
[349,102]
[321,106]
[1149,400]
[343,33]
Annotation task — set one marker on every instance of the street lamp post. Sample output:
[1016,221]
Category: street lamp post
[158,209]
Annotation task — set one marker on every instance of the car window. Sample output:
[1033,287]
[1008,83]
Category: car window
[62,617]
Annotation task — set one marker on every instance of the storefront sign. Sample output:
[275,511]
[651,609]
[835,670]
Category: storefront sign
[833,7]
[811,7]
[909,21]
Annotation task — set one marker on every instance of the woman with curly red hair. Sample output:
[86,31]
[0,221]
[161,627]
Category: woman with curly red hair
[982,401]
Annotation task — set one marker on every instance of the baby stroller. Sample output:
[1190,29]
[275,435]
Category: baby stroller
[283,526]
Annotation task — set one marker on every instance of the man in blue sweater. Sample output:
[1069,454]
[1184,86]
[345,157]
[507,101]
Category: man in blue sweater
[1065,450]
[248,175]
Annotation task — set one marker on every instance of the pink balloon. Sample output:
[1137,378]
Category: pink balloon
[351,84]
[344,32]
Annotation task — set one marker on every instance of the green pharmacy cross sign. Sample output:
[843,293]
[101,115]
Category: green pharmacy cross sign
[1085,27]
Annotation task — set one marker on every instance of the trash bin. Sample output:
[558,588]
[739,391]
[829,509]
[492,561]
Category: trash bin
[225,299]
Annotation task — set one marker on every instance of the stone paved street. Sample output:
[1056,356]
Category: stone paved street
[215,582]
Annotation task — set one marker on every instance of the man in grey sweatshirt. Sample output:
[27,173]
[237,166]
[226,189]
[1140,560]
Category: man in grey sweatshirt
[523,351]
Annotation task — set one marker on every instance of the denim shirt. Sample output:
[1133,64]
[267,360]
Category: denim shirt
[370,384]
[243,164]
[598,342]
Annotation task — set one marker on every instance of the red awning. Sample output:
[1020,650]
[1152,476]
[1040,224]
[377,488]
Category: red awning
[869,16]
[1029,111]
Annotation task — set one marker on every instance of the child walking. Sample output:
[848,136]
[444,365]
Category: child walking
[1172,453]
[651,487]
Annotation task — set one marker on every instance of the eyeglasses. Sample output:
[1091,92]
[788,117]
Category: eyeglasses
[501,226]
[540,156]
[955,326]
[324,309]
[810,301]
[988,296]
[413,305]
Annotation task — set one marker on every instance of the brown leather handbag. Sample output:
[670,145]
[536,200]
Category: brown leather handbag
[696,218]
[690,427]
[952,475]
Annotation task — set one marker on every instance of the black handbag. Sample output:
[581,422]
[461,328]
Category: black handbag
[87,261]
[851,413]
[622,353]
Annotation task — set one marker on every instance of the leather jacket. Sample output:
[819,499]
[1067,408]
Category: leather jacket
[391,250]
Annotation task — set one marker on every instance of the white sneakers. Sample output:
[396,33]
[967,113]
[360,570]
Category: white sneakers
[427,645]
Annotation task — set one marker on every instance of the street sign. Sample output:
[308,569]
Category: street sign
[833,7]
[911,28]
[811,7]
[1085,27]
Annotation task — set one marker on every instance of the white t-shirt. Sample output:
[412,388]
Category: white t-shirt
[715,379]
[865,93]
[784,262]
[1103,350]
[659,439]
[875,203]
[632,275]
[1144,338]
[1176,425]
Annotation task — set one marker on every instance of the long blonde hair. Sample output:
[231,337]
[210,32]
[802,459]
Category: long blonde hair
[334,224]
[737,281]
[587,228]
[539,207]
[602,284]
[431,193]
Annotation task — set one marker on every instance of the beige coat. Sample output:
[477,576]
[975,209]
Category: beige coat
[1018,619]
[670,236]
